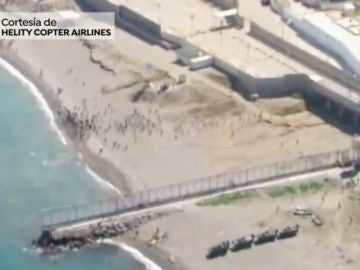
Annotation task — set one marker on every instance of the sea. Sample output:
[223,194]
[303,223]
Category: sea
[40,170]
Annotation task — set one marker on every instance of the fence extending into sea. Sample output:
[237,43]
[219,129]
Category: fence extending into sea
[87,211]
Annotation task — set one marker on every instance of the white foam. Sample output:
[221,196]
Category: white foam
[136,254]
[45,107]
[35,91]
[101,180]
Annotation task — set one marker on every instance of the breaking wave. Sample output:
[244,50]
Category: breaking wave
[36,92]
[136,254]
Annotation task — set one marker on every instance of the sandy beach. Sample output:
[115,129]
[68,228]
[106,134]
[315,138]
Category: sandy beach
[201,125]
[108,98]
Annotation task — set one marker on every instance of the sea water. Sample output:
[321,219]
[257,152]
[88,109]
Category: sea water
[38,171]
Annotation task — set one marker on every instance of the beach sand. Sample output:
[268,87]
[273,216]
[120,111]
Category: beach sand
[154,141]
[138,137]
[334,245]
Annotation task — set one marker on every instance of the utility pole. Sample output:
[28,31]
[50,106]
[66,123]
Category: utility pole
[221,34]
[248,52]
[159,12]
[192,22]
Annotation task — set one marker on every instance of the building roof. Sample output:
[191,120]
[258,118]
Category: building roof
[346,35]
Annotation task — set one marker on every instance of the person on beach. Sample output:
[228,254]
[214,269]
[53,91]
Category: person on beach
[165,236]
[136,235]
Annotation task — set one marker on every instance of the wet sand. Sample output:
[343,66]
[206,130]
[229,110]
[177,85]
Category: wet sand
[102,167]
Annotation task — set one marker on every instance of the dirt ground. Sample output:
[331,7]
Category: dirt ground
[334,245]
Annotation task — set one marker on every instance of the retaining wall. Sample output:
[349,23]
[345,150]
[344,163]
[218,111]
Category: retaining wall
[132,21]
[142,27]
[170,36]
[303,57]
[321,37]
[248,84]
[100,5]
[140,21]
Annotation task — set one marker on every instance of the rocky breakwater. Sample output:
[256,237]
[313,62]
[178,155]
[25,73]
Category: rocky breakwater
[54,241]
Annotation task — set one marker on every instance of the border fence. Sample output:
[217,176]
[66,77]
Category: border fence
[72,214]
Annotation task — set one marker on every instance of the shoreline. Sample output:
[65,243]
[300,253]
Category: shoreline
[141,251]
[93,164]
[97,168]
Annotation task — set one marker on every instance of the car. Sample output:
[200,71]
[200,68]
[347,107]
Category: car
[318,221]
[289,231]
[265,237]
[299,211]
[244,242]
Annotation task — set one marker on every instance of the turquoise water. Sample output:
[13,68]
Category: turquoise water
[37,171]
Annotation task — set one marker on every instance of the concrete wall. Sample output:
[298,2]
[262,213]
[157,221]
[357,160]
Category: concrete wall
[318,36]
[225,4]
[132,21]
[100,5]
[236,21]
[303,57]
[335,46]
[139,21]
[170,36]
[248,84]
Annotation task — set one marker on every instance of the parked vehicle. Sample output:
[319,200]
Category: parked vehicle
[244,242]
[267,236]
[288,232]
[299,211]
[318,221]
[218,250]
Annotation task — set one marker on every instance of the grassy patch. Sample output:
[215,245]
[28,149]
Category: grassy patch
[226,199]
[316,186]
[311,187]
[281,191]
[303,188]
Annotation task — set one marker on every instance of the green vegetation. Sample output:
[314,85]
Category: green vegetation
[274,192]
[281,191]
[313,186]
[357,5]
[304,188]
[226,199]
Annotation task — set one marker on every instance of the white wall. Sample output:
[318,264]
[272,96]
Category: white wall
[319,36]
